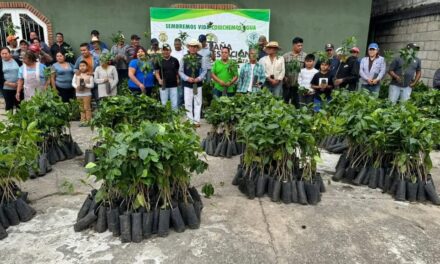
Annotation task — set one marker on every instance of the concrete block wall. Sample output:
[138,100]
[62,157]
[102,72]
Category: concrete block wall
[387,6]
[425,31]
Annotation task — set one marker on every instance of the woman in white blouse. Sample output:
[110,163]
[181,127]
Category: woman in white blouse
[106,77]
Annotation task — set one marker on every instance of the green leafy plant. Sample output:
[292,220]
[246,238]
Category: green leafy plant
[117,37]
[69,53]
[193,63]
[11,29]
[183,36]
[208,190]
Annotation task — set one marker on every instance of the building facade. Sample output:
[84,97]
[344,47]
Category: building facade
[397,22]
[316,21]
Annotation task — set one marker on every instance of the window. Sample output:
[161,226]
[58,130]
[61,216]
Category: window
[25,20]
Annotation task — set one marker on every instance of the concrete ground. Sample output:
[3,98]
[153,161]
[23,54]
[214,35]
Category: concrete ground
[350,225]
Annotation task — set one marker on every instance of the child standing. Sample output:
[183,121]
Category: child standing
[305,78]
[322,83]
[83,83]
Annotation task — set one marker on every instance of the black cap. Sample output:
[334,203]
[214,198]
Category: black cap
[202,38]
[329,46]
[134,36]
[154,41]
[413,46]
[166,46]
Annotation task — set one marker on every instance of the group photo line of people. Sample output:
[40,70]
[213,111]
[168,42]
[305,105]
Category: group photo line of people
[29,66]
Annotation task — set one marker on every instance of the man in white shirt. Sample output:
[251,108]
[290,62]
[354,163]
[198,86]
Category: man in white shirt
[178,53]
[305,78]
[274,68]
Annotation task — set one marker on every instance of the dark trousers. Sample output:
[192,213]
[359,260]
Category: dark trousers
[122,74]
[148,91]
[290,95]
[10,100]
[218,94]
[66,94]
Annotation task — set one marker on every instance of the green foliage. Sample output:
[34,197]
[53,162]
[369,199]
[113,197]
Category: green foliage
[67,187]
[69,53]
[138,158]
[183,36]
[19,150]
[11,29]
[130,109]
[407,55]
[47,110]
[208,190]
[117,37]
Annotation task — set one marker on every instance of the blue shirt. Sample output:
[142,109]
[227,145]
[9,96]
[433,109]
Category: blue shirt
[147,79]
[10,72]
[63,77]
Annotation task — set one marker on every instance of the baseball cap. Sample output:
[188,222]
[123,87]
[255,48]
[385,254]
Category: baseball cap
[166,46]
[373,46]
[355,49]
[11,38]
[412,46]
[202,38]
[134,36]
[154,41]
[329,46]
[339,51]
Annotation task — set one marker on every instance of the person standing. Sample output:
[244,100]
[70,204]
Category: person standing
[154,50]
[86,56]
[83,83]
[120,53]
[33,35]
[347,75]
[61,77]
[106,77]
[252,75]
[42,56]
[134,45]
[167,75]
[178,53]
[224,75]
[305,78]
[372,70]
[192,71]
[322,83]
[97,50]
[30,77]
[274,68]
[208,57]
[436,80]
[262,42]
[95,34]
[334,61]
[140,74]
[295,59]
[62,46]
[8,78]
[13,46]
[404,77]
[24,46]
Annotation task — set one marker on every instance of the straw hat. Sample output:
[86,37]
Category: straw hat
[194,42]
[94,39]
[273,44]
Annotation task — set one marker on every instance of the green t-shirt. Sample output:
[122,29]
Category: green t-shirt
[221,70]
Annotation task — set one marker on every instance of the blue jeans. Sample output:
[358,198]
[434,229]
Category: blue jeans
[317,102]
[169,94]
[373,89]
[276,90]
[399,93]
[180,94]
[217,93]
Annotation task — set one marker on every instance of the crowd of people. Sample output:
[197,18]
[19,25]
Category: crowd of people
[296,77]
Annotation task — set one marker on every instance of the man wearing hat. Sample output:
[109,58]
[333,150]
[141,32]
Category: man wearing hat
[95,34]
[297,55]
[192,71]
[154,47]
[208,55]
[334,61]
[134,45]
[167,75]
[273,68]
[97,50]
[13,46]
[404,77]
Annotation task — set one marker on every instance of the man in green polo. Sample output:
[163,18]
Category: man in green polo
[224,72]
